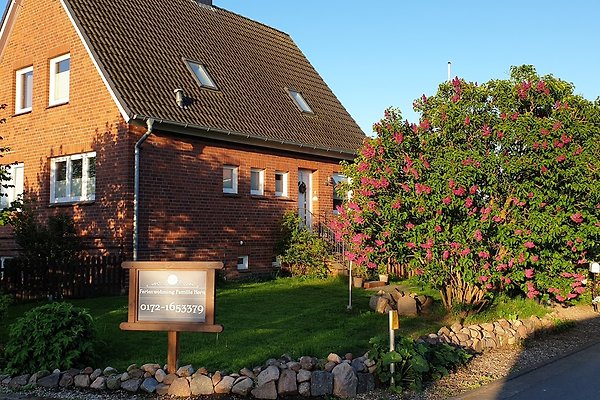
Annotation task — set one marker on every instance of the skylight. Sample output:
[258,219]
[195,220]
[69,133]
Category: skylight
[201,75]
[300,102]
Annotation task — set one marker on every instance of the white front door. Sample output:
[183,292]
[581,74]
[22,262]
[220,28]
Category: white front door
[305,197]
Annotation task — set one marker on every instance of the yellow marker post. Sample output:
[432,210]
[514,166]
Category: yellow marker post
[394,323]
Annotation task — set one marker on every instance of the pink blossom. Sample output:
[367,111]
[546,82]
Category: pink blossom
[411,245]
[398,137]
[500,134]
[455,98]
[447,200]
[577,218]
[455,245]
[544,169]
[571,296]
[489,286]
[465,252]
[468,202]
[405,187]
[386,234]
[483,278]
[558,144]
[529,245]
[409,225]
[521,258]
[486,131]
[368,151]
[371,265]
[379,242]
[473,189]
[437,228]
[578,151]
[484,255]
[425,125]
[397,205]
[467,121]
[460,191]
[579,290]
[529,273]
[557,125]
[362,166]
[428,244]
[445,255]
[515,116]
[544,132]
[535,258]
[478,235]
[560,298]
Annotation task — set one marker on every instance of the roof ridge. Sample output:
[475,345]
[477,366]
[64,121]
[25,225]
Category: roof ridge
[250,19]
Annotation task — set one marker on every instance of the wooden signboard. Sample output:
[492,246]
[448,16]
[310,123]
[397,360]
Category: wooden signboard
[171,296]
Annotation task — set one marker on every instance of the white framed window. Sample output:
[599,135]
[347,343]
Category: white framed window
[60,70]
[24,90]
[257,181]
[338,196]
[299,101]
[73,178]
[202,77]
[242,263]
[12,189]
[281,184]
[230,179]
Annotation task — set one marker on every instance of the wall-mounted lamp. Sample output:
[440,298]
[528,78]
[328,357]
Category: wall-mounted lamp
[595,267]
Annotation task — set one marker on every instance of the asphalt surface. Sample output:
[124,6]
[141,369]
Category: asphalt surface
[572,377]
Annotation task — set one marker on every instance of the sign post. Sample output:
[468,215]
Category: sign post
[171,296]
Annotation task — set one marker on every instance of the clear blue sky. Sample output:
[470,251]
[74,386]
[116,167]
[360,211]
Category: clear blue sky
[380,53]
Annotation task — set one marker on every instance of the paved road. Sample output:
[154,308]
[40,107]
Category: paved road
[573,377]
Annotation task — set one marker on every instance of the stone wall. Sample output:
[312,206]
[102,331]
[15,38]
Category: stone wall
[337,376]
[487,336]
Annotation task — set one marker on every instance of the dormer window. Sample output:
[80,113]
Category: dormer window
[299,101]
[60,69]
[201,75]
[24,90]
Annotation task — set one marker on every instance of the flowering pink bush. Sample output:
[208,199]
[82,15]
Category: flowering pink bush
[495,189]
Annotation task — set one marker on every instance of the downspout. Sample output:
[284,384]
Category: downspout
[136,187]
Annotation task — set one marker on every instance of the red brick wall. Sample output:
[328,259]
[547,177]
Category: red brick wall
[89,122]
[185,214]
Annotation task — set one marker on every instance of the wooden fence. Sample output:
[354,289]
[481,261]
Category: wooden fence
[91,276]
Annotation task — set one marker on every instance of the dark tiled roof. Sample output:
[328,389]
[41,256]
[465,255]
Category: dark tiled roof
[141,44]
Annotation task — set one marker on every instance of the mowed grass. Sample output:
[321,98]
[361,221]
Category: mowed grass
[261,321]
[265,320]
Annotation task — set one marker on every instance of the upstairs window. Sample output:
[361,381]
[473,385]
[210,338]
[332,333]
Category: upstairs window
[60,68]
[73,178]
[24,90]
[281,184]
[201,75]
[257,182]
[299,101]
[12,189]
[230,179]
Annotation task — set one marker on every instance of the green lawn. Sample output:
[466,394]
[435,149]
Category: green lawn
[261,321]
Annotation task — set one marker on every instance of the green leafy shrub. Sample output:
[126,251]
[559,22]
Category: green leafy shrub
[302,251]
[56,335]
[414,362]
[5,301]
[493,191]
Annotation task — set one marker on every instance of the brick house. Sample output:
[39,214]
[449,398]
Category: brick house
[172,128]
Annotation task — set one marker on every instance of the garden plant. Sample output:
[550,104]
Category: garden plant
[495,190]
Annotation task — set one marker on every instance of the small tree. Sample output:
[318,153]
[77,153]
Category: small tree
[494,190]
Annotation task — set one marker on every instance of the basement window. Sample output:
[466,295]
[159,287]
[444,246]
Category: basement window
[201,75]
[299,101]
